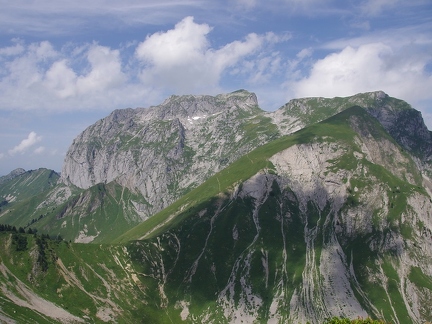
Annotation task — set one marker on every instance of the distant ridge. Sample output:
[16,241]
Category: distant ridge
[12,175]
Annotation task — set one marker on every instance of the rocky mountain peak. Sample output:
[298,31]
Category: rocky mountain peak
[403,123]
[164,151]
[187,106]
[12,175]
[150,149]
[335,219]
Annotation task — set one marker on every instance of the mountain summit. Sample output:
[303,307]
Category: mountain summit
[213,210]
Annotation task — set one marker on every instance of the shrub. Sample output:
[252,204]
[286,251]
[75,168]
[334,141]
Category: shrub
[20,242]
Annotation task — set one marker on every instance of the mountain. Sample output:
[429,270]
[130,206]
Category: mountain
[212,210]
[332,220]
[156,155]
[164,151]
[136,162]
[21,192]
[12,175]
[398,118]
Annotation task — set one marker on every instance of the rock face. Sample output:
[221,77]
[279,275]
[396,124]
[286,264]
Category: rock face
[12,175]
[164,151]
[337,225]
[332,220]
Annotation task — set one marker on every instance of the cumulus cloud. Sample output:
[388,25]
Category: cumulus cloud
[73,77]
[91,76]
[39,150]
[105,72]
[369,67]
[61,79]
[181,45]
[12,50]
[183,59]
[26,143]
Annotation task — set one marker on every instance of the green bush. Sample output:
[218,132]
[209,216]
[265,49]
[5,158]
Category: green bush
[19,241]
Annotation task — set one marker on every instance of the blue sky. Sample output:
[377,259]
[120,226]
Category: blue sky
[66,64]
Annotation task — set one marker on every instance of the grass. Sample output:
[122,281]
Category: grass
[334,129]
[393,286]
[417,277]
[344,320]
[96,277]
[168,253]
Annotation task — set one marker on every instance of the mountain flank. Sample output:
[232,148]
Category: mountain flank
[213,210]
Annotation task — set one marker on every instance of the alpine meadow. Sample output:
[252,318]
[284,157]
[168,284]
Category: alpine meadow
[208,209]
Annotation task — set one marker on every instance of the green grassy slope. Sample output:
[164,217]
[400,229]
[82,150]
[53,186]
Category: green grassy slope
[213,254]
[28,184]
[90,282]
[335,128]
[213,244]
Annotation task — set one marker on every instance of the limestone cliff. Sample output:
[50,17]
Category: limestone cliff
[334,219]
[164,151]
[336,224]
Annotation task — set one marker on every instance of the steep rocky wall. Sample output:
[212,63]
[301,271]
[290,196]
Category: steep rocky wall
[301,243]
[162,152]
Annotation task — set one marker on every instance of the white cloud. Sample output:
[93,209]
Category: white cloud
[26,143]
[61,79]
[79,77]
[105,70]
[306,52]
[369,67]
[183,44]
[90,76]
[104,73]
[39,150]
[177,58]
[182,58]
[65,17]
[16,49]
[43,51]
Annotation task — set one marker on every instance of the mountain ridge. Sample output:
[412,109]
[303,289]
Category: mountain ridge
[333,219]
[14,173]
[320,216]
[158,161]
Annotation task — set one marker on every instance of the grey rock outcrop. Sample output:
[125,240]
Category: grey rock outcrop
[12,174]
[164,151]
[335,226]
